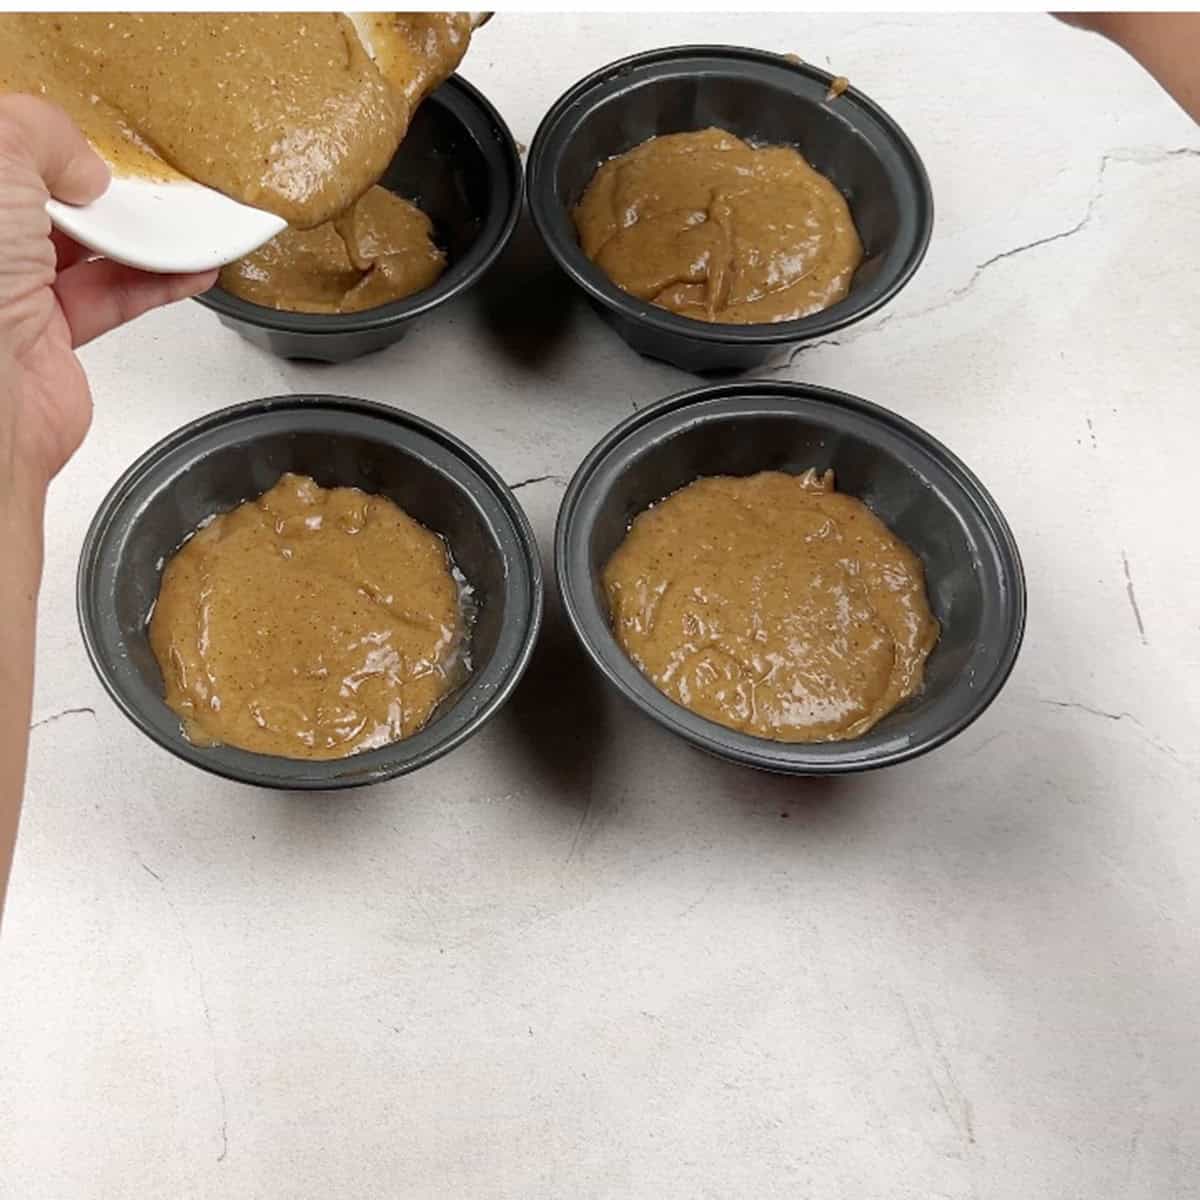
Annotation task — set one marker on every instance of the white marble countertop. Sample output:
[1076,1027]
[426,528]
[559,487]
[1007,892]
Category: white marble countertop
[578,959]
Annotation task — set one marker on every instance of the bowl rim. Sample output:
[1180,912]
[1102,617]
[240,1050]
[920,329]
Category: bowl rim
[575,582]
[474,111]
[271,771]
[572,260]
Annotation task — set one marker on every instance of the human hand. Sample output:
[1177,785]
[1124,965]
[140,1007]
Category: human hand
[1167,44]
[53,295]
[1082,20]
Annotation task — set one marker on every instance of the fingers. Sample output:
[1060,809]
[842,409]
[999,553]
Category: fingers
[67,251]
[100,295]
[40,134]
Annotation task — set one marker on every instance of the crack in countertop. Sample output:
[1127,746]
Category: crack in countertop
[963,289]
[534,479]
[203,997]
[58,716]
[1129,592]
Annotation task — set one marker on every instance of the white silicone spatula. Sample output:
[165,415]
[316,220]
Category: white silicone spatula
[166,227]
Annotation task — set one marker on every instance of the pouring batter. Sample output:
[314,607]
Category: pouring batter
[309,623]
[772,605]
[709,227]
[282,111]
[382,250]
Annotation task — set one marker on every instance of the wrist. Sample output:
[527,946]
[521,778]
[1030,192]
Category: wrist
[23,485]
[22,509]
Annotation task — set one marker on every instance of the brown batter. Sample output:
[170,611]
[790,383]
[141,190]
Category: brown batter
[282,111]
[382,250]
[709,227]
[773,605]
[309,623]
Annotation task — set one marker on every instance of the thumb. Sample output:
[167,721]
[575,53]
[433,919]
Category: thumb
[42,136]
